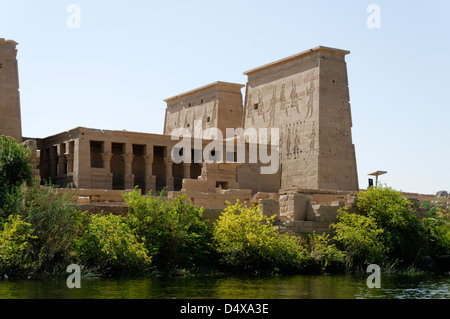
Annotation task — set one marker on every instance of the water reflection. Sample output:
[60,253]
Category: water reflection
[234,287]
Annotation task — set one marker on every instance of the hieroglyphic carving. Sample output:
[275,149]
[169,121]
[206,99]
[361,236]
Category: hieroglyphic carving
[310,94]
[194,116]
[280,143]
[312,138]
[283,104]
[205,119]
[296,141]
[261,110]
[288,143]
[214,115]
[294,96]
[291,137]
[187,118]
[250,108]
[271,110]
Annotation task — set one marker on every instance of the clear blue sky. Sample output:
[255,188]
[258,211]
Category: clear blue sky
[128,56]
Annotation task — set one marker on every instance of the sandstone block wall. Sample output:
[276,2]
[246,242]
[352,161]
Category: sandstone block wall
[306,96]
[10,117]
[217,105]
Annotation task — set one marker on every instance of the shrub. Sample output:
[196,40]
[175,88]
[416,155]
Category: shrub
[51,215]
[403,233]
[107,244]
[361,239]
[15,169]
[175,232]
[437,225]
[248,241]
[326,254]
[15,247]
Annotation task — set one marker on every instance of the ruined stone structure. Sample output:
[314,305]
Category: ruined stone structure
[10,120]
[304,96]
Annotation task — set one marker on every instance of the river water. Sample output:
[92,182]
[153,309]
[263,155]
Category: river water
[233,287]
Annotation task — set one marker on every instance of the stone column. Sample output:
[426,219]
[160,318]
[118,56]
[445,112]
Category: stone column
[129,177]
[82,161]
[106,157]
[150,180]
[61,159]
[169,178]
[69,159]
[187,170]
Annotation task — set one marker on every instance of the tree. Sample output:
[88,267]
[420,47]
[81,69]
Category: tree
[403,233]
[15,169]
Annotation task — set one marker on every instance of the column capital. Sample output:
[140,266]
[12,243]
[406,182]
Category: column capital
[106,156]
[128,157]
[148,159]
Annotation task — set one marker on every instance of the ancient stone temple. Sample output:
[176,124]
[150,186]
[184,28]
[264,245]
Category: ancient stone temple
[304,171]
[217,105]
[10,120]
[305,97]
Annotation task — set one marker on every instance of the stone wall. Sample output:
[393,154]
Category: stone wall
[10,115]
[99,196]
[306,96]
[217,105]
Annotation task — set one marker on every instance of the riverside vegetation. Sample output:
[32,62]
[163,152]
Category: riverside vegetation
[41,233]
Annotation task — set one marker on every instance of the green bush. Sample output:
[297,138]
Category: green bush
[403,233]
[360,238]
[107,244]
[438,230]
[248,241]
[51,214]
[175,232]
[15,169]
[326,254]
[15,247]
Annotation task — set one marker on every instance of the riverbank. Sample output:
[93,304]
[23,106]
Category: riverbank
[156,235]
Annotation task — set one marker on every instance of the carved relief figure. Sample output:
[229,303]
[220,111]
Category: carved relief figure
[261,106]
[271,110]
[281,143]
[310,94]
[294,96]
[296,141]
[212,122]
[250,108]
[288,143]
[312,137]
[205,120]
[283,99]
